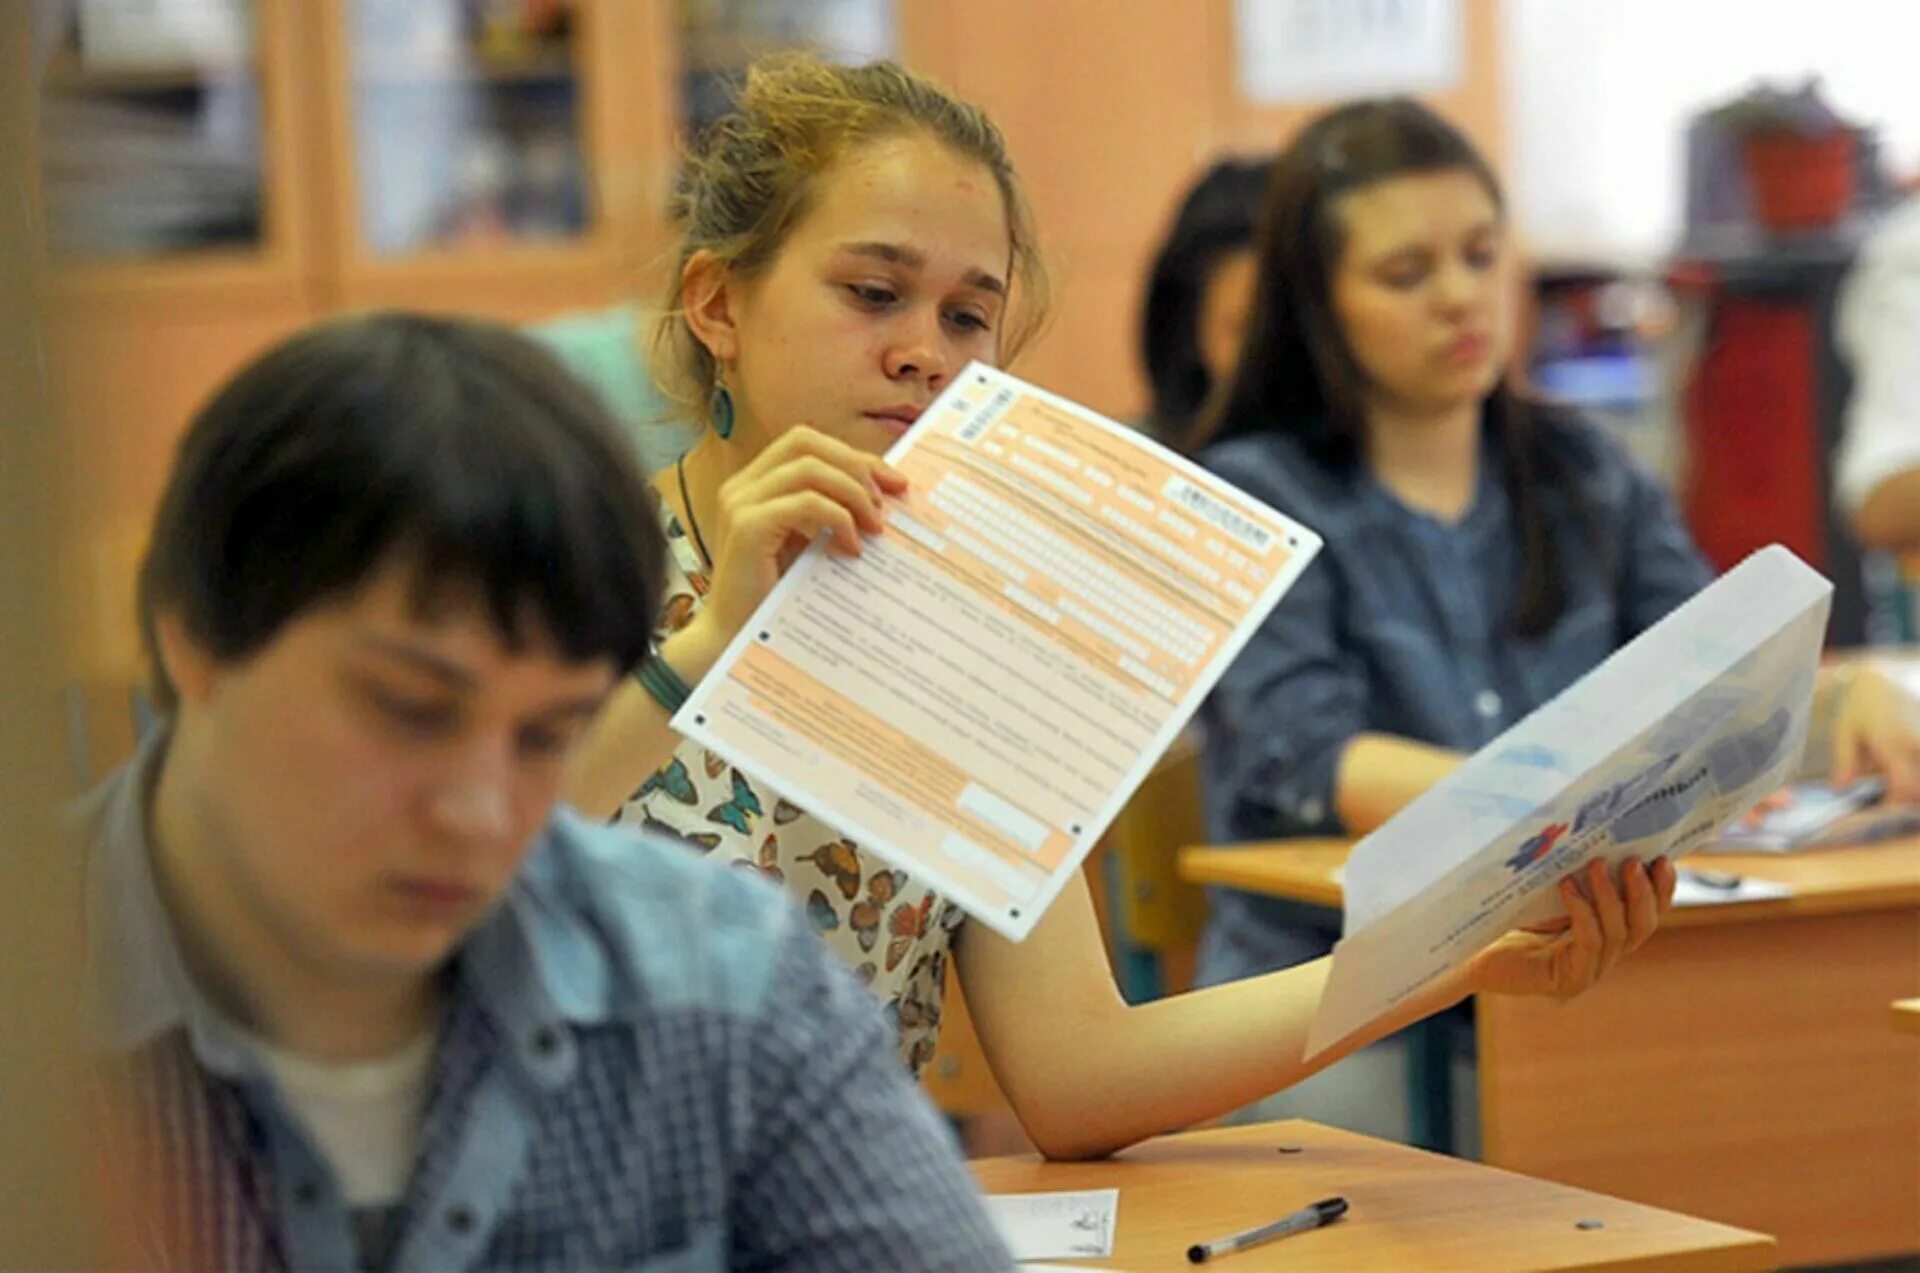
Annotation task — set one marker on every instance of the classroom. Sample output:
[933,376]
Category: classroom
[895,634]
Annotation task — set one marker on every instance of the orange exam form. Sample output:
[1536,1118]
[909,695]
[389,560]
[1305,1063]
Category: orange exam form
[975,696]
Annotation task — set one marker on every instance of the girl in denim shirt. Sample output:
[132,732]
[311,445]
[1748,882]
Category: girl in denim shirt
[1483,552]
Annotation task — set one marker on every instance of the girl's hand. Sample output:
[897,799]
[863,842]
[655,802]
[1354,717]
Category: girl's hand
[1566,956]
[1876,729]
[804,484]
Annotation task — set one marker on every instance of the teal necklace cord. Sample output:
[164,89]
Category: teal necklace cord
[686,502]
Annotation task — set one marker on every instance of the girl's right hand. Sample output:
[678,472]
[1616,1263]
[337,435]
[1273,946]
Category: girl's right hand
[804,484]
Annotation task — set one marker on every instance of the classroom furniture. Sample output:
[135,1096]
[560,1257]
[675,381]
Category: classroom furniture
[1151,919]
[377,153]
[1764,405]
[1738,1067]
[1906,1015]
[1409,1209]
[1153,916]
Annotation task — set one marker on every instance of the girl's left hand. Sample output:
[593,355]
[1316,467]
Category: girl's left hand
[1567,955]
[1876,729]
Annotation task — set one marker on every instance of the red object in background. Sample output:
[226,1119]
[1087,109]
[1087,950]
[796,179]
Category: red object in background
[1753,435]
[1800,183]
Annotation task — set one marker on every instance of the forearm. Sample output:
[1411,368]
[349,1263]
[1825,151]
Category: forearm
[1889,518]
[632,736]
[1097,1081]
[1380,774]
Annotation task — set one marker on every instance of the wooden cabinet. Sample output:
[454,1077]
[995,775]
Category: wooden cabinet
[513,158]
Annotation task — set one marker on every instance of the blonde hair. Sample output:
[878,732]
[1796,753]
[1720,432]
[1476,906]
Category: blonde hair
[749,178]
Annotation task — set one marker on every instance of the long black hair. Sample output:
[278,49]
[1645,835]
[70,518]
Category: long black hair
[1297,374]
[1219,216]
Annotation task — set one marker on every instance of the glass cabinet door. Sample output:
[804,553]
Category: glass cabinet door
[150,127]
[718,38]
[466,122]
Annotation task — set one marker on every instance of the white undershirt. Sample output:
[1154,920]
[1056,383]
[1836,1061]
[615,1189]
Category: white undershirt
[364,1116]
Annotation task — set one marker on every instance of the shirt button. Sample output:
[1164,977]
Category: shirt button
[544,1041]
[460,1219]
[306,1193]
[1310,809]
[1487,703]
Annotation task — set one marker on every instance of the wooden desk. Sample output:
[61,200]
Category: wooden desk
[1906,1015]
[1410,1209]
[1739,1067]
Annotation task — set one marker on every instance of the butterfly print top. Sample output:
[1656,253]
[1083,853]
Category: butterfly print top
[894,932]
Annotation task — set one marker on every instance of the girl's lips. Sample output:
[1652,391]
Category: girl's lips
[898,420]
[1465,349]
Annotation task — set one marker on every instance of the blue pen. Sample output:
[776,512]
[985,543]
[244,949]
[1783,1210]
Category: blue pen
[1314,1217]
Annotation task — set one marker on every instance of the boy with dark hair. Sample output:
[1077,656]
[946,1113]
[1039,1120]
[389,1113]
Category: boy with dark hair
[369,999]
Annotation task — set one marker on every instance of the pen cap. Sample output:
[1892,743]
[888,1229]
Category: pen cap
[1330,1210]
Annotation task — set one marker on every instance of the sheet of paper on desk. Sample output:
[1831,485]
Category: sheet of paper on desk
[1710,888]
[975,697]
[1056,1226]
[1653,751]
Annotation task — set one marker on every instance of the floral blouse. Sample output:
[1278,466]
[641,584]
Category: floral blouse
[894,932]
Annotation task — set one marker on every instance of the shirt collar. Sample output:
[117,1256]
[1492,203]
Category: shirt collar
[138,985]
[1486,514]
[533,963]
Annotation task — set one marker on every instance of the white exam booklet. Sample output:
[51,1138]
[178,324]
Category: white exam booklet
[1653,751]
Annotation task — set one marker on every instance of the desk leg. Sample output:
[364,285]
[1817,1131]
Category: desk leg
[1430,1085]
[1135,968]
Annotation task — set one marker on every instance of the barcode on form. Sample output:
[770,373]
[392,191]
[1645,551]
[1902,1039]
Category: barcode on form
[976,425]
[1222,517]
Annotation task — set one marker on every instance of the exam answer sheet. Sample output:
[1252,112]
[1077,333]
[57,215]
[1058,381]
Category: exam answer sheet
[976,695]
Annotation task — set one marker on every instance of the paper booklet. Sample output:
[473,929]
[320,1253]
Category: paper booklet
[1815,815]
[975,697]
[1650,753]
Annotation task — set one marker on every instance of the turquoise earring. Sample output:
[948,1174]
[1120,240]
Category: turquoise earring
[721,411]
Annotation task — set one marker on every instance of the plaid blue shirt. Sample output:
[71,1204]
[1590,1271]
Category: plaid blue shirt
[645,1063]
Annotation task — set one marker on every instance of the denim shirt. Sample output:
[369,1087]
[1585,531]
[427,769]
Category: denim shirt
[647,1062]
[1402,626]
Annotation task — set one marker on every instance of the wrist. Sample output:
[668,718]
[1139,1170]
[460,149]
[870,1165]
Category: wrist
[693,650]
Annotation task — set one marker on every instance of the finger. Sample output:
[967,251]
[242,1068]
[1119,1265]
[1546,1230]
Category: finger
[1846,750]
[764,529]
[804,440]
[810,473]
[1901,765]
[1643,905]
[1612,911]
[1665,880]
[1583,940]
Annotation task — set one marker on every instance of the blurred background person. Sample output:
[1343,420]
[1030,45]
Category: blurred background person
[1199,292]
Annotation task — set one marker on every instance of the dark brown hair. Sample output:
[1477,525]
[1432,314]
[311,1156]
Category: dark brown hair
[461,448]
[1298,376]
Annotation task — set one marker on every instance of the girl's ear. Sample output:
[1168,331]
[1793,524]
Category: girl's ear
[709,294]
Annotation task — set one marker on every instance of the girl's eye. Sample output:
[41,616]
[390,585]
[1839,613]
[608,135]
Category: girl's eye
[868,295]
[967,320]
